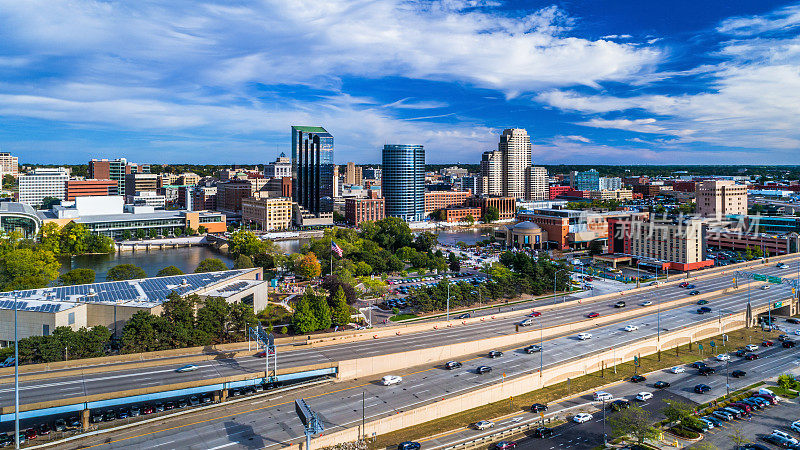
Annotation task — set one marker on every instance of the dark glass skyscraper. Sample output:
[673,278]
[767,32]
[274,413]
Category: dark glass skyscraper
[312,169]
[403,181]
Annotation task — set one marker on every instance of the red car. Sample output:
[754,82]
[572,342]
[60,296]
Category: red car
[767,344]
[751,356]
[263,353]
[588,278]
[684,284]
[148,409]
[592,315]
[504,445]
[30,434]
[534,314]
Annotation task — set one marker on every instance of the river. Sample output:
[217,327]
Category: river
[187,258]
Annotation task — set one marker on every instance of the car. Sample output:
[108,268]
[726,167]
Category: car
[706,371]
[505,445]
[777,440]
[795,426]
[784,337]
[698,364]
[495,354]
[753,446]
[767,343]
[592,315]
[6,440]
[788,344]
[694,293]
[742,406]
[408,445]
[618,405]
[389,380]
[751,356]
[124,413]
[464,316]
[538,407]
[722,415]
[689,286]
[602,396]
[584,336]
[647,303]
[708,423]
[702,388]
[786,436]
[793,320]
[661,384]
[638,378]
[450,365]
[194,401]
[534,314]
[738,373]
[60,425]
[96,417]
[751,347]
[581,417]
[44,429]
[752,403]
[110,416]
[526,323]
[619,304]
[186,368]
[715,420]
[30,434]
[741,352]
[263,353]
[677,369]
[702,302]
[683,285]
[703,310]
[483,369]
[770,398]
[765,287]
[169,406]
[542,433]
[74,423]
[723,357]
[483,425]
[644,396]
[206,399]
[182,403]
[533,348]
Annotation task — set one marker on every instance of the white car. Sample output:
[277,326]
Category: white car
[484,424]
[602,395]
[630,328]
[647,303]
[526,323]
[795,426]
[187,368]
[723,357]
[584,336]
[765,287]
[751,347]
[655,283]
[797,332]
[644,396]
[389,380]
[786,436]
[677,369]
[582,417]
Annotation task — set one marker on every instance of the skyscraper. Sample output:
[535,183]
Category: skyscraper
[403,182]
[515,145]
[312,169]
[491,182]
[352,174]
[538,187]
[585,181]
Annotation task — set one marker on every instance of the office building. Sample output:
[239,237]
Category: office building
[610,183]
[115,169]
[372,173]
[462,214]
[585,181]
[453,172]
[468,183]
[279,187]
[515,146]
[230,195]
[268,213]
[9,165]
[647,190]
[619,194]
[538,185]
[167,179]
[85,188]
[43,183]
[312,170]
[280,168]
[204,198]
[719,198]
[188,179]
[665,243]
[147,198]
[491,182]
[437,200]
[20,218]
[506,206]
[359,210]
[352,174]
[140,182]
[403,181]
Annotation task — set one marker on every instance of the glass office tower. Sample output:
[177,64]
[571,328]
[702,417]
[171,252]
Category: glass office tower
[403,181]
[312,169]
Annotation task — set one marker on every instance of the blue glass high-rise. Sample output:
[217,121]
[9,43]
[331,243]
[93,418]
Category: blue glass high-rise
[403,181]
[312,169]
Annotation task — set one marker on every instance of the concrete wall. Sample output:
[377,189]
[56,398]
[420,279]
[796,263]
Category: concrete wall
[30,323]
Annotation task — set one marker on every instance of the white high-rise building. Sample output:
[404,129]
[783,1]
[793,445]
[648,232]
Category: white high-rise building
[491,182]
[610,183]
[41,183]
[281,167]
[538,186]
[515,145]
[9,165]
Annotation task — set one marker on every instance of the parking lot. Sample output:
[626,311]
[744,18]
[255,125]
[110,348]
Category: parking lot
[761,423]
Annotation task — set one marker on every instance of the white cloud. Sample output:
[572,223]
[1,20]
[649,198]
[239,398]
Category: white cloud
[782,19]
[578,138]
[408,103]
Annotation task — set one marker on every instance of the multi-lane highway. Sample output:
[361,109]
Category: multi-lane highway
[274,422]
[54,387]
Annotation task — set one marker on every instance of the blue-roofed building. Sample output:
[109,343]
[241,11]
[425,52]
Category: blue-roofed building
[112,303]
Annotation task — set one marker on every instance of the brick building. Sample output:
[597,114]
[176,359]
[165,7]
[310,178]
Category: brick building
[84,188]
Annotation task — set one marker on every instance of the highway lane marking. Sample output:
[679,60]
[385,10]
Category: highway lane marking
[219,446]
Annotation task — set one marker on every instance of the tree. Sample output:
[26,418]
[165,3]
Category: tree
[595,247]
[96,243]
[244,242]
[211,265]
[25,268]
[49,237]
[308,267]
[73,238]
[333,283]
[49,202]
[243,262]
[787,381]
[738,437]
[202,230]
[213,319]
[77,276]
[169,271]
[634,422]
[322,313]
[141,233]
[304,321]
[453,262]
[340,308]
[179,311]
[125,272]
[126,235]
[491,214]
[676,410]
[425,241]
[139,333]
[469,219]
[242,316]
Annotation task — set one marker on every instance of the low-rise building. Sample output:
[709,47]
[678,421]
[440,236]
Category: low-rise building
[505,205]
[620,194]
[88,188]
[522,235]
[437,200]
[672,244]
[359,210]
[20,218]
[269,213]
[573,229]
[147,198]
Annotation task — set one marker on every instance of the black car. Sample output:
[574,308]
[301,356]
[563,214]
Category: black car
[483,369]
[533,349]
[542,433]
[793,320]
[450,365]
[619,304]
[110,416]
[661,385]
[752,446]
[638,378]
[706,371]
[789,344]
[169,406]
[777,440]
[538,407]
[183,403]
[60,425]
[44,429]
[738,373]
[495,354]
[784,337]
[694,293]
[6,440]
[206,398]
[96,417]
[194,401]
[617,405]
[702,388]
[159,407]
[698,364]
[74,423]
[408,445]
[741,352]
[703,310]
[464,316]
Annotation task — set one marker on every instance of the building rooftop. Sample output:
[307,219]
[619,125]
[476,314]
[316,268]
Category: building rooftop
[306,129]
[36,305]
[17,208]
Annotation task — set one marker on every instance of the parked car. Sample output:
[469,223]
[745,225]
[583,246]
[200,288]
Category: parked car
[777,440]
[638,378]
[582,417]
[723,415]
[702,388]
[194,401]
[786,436]
[44,429]
[60,425]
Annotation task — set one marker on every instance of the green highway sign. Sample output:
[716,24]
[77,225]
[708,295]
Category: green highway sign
[777,305]
[712,344]
[775,280]
[759,277]
[700,345]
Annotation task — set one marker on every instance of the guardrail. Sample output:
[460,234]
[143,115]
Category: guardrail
[493,437]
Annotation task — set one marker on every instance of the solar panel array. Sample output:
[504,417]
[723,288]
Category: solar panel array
[233,287]
[34,306]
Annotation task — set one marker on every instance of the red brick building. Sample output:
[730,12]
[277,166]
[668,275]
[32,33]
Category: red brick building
[437,200]
[507,206]
[85,188]
[357,210]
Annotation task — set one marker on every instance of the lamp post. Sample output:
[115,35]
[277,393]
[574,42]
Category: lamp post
[16,377]
[448,301]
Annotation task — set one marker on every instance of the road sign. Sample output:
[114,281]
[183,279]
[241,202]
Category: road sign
[724,338]
[712,344]
[777,304]
[775,280]
[303,411]
[759,277]
[700,346]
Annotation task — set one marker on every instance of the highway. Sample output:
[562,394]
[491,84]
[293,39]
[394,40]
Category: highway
[126,378]
[271,426]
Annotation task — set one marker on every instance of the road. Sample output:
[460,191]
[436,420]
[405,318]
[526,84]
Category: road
[71,386]
[272,426]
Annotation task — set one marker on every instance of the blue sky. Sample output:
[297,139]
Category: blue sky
[593,81]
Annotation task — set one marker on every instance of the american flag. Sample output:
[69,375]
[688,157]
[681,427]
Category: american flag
[336,248]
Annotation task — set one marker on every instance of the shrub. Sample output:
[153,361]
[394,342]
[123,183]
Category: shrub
[284,330]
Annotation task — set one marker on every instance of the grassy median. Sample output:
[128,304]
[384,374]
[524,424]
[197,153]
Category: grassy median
[669,358]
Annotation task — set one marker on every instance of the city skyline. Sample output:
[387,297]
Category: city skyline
[640,82]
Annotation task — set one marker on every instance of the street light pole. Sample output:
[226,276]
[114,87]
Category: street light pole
[604,422]
[448,301]
[16,377]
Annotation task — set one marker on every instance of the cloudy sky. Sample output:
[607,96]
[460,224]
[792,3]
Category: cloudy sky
[593,81]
